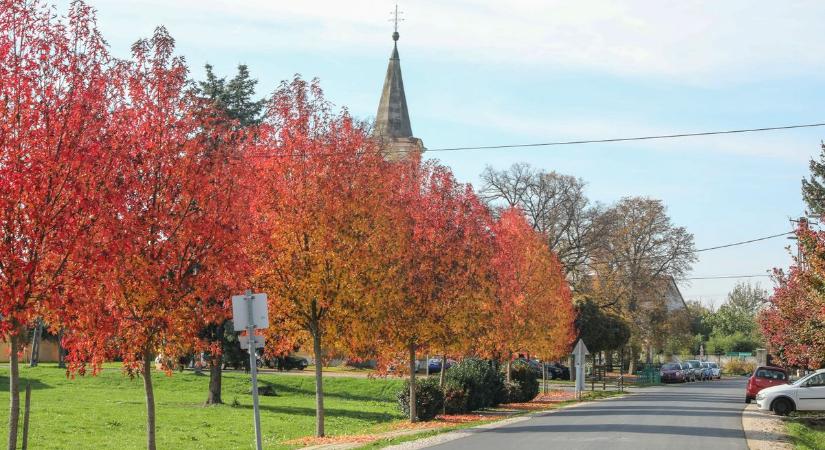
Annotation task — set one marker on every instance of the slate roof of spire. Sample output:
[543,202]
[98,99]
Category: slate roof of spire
[393,118]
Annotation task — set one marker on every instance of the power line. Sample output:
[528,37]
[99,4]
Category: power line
[744,242]
[560,143]
[626,139]
[725,277]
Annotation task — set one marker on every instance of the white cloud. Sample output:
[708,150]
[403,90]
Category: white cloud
[690,41]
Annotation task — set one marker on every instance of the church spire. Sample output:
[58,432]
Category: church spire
[393,118]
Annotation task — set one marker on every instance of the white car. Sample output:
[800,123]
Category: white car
[805,394]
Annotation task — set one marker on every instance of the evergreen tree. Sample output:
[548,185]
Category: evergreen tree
[234,99]
[813,189]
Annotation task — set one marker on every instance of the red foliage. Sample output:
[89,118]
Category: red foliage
[532,309]
[54,102]
[794,321]
[174,225]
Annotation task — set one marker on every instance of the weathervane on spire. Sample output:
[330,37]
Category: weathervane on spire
[395,19]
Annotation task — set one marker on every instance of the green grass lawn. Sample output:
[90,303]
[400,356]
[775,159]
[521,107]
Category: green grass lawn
[107,411]
[807,434]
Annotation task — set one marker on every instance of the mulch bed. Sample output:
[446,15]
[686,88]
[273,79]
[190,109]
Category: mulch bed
[542,401]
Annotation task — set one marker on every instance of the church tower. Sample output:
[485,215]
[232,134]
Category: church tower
[392,122]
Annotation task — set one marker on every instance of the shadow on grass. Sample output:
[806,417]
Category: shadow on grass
[374,417]
[310,391]
[36,384]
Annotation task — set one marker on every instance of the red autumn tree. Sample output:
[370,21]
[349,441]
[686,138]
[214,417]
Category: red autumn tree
[531,310]
[435,264]
[54,110]
[174,226]
[320,204]
[794,320]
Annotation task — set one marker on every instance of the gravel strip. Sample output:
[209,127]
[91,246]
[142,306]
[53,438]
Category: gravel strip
[764,431]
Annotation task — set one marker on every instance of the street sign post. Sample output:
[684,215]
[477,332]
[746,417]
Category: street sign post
[579,352]
[249,311]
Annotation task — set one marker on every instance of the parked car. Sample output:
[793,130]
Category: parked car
[697,369]
[688,372]
[805,394]
[556,370]
[672,373]
[716,371]
[764,377]
[434,364]
[288,363]
[707,371]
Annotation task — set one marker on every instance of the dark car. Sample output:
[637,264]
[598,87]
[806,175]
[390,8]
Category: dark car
[287,363]
[698,371]
[672,373]
[763,377]
[434,364]
[557,371]
[688,372]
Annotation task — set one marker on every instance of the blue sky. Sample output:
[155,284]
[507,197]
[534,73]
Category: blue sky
[491,72]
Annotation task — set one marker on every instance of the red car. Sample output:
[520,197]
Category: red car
[763,377]
[672,372]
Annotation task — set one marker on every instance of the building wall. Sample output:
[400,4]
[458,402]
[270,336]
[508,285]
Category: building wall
[48,352]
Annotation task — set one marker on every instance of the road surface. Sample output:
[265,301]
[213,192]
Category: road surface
[703,415]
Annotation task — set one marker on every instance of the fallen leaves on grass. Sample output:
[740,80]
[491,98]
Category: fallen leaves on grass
[542,401]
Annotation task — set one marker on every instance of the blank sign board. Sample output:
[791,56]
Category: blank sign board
[240,314]
[244,340]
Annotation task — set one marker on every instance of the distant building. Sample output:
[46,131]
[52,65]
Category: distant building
[673,297]
[392,122]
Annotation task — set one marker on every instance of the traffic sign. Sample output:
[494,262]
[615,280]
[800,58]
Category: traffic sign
[244,340]
[260,314]
[580,351]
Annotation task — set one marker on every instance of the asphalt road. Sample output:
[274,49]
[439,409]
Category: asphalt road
[703,415]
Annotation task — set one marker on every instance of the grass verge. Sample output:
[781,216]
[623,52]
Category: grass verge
[807,433]
[107,411]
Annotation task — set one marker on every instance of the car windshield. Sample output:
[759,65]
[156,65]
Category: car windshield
[804,379]
[713,366]
[671,367]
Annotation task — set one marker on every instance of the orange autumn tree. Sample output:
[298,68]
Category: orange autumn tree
[531,310]
[320,202]
[434,264]
[54,113]
[174,226]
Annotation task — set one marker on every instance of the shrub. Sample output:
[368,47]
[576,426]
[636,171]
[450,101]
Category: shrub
[512,392]
[527,380]
[480,380]
[455,398]
[738,367]
[429,400]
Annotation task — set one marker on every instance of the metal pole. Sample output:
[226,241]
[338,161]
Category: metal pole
[253,368]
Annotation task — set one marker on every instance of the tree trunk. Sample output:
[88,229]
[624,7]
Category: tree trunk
[631,365]
[150,401]
[413,412]
[507,368]
[215,375]
[61,352]
[319,381]
[14,392]
[34,356]
[443,371]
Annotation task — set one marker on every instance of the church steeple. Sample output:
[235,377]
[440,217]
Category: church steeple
[392,122]
[393,118]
